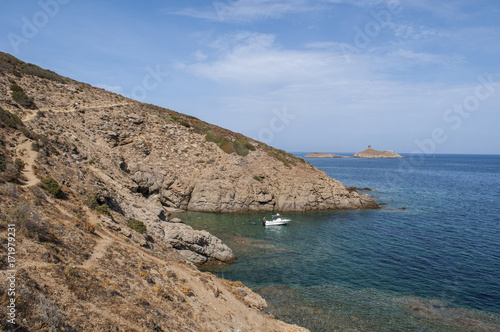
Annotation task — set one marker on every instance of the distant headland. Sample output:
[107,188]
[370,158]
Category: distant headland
[323,155]
[368,153]
[372,153]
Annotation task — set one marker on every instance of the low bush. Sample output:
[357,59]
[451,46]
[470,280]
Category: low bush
[9,119]
[227,147]
[52,187]
[19,164]
[240,148]
[103,209]
[250,146]
[21,97]
[93,203]
[137,225]
[257,178]
[212,137]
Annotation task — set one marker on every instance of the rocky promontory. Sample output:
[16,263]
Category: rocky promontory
[323,155]
[372,153]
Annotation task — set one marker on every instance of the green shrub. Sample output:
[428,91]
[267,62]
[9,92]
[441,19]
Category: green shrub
[137,225]
[257,178]
[103,209]
[19,164]
[212,137]
[250,147]
[16,73]
[240,148]
[199,126]
[92,202]
[21,97]
[52,187]
[9,119]
[227,147]
[35,147]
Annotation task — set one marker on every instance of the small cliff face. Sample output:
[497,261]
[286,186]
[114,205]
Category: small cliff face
[372,153]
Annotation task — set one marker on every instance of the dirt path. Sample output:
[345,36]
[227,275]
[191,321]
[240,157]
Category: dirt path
[28,156]
[98,251]
[70,110]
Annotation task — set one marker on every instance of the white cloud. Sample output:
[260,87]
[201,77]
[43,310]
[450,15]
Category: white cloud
[200,56]
[244,11]
[313,76]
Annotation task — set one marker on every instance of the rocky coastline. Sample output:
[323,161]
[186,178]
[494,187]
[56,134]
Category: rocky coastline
[113,172]
[324,155]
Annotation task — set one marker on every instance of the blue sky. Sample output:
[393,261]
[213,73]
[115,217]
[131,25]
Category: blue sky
[325,75]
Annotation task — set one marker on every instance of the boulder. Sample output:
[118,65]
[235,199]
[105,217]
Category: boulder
[183,237]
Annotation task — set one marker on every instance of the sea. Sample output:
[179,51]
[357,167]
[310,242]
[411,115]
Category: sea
[428,260]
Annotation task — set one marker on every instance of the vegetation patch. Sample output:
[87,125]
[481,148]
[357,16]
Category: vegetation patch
[227,147]
[213,137]
[136,225]
[258,178]
[92,202]
[19,164]
[33,70]
[240,147]
[52,187]
[9,119]
[21,97]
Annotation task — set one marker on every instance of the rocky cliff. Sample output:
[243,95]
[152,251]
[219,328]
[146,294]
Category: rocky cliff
[372,153]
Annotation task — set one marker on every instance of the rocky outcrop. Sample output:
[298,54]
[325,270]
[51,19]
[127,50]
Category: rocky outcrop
[197,246]
[372,153]
[323,155]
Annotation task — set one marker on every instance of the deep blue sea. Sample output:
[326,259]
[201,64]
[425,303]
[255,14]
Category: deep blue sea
[428,260]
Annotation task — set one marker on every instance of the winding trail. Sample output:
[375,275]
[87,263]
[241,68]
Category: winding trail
[30,117]
[28,156]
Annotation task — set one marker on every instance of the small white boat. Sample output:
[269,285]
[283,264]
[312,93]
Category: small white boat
[276,221]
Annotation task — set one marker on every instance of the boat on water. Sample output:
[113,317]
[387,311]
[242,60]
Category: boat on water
[276,221]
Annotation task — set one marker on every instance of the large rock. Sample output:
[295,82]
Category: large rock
[372,153]
[204,245]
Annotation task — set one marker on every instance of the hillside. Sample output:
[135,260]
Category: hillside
[90,178]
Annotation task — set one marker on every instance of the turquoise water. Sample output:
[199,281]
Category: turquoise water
[429,260]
